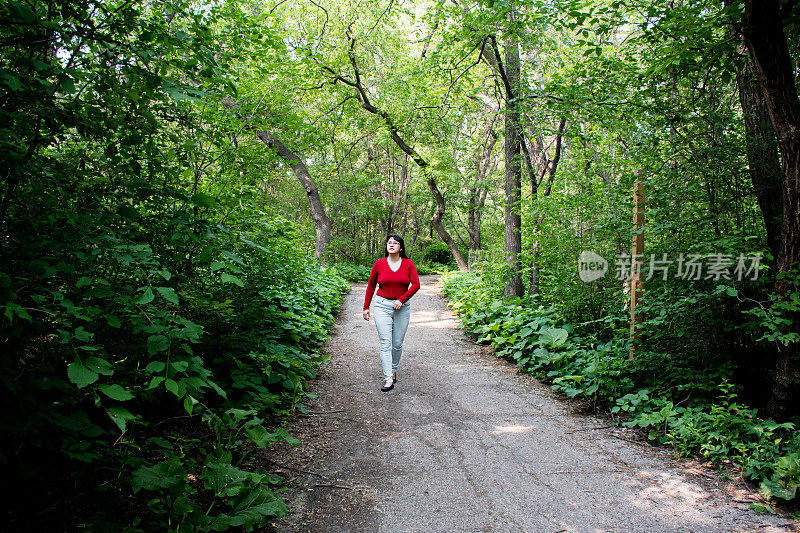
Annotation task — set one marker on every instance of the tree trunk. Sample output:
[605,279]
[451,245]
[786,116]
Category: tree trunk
[762,153]
[477,200]
[766,42]
[321,221]
[479,189]
[436,222]
[513,171]
[400,195]
[473,228]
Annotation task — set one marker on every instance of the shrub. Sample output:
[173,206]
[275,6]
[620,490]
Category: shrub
[351,272]
[438,253]
[129,347]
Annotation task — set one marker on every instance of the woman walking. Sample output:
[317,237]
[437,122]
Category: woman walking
[397,281]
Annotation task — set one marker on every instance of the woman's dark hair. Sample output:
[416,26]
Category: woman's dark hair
[399,239]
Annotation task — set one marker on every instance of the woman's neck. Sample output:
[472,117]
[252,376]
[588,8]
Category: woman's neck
[394,257]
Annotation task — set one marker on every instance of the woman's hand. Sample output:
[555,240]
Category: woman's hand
[397,305]
[365,314]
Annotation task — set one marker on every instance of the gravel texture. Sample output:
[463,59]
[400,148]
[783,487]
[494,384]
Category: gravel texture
[465,444]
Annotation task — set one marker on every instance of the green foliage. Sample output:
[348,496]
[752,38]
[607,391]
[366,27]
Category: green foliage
[352,272]
[777,317]
[433,268]
[685,402]
[438,253]
[156,323]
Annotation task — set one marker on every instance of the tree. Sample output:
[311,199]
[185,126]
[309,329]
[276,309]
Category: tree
[510,76]
[394,132]
[762,153]
[762,28]
[483,163]
[513,169]
[545,167]
[321,221]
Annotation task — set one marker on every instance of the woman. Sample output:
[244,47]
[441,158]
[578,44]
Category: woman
[397,281]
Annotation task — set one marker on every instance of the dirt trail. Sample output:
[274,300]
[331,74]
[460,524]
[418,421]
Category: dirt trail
[465,444]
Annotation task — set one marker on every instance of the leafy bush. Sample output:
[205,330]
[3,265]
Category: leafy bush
[228,346]
[351,272]
[438,253]
[432,268]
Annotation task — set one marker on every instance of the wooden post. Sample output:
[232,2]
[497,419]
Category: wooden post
[637,251]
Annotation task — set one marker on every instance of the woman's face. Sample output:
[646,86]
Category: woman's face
[392,246]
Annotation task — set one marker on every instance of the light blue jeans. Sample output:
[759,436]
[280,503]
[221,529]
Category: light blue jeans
[392,325]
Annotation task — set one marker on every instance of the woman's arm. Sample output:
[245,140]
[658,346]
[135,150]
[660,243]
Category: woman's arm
[371,285]
[413,279]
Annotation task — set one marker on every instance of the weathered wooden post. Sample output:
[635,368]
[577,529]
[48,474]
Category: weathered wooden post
[637,253]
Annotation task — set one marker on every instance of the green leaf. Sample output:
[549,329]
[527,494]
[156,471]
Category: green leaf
[116,392]
[157,343]
[259,436]
[113,321]
[188,404]
[191,330]
[120,416]
[11,81]
[172,386]
[771,489]
[203,200]
[233,257]
[253,244]
[229,278]
[184,93]
[155,366]
[86,348]
[206,254]
[164,475]
[217,388]
[282,434]
[82,335]
[554,337]
[16,309]
[221,478]
[67,84]
[23,13]
[99,365]
[80,375]
[169,294]
[180,366]
[146,297]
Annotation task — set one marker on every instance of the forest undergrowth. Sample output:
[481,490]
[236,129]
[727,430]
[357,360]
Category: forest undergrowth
[173,380]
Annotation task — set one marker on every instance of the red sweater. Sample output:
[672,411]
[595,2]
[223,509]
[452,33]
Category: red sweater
[392,285]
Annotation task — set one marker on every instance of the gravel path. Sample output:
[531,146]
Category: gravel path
[465,444]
